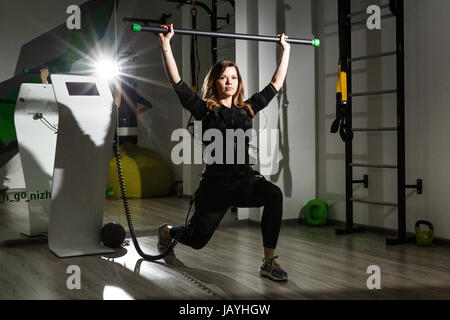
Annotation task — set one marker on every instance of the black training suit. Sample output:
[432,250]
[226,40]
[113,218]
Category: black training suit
[226,185]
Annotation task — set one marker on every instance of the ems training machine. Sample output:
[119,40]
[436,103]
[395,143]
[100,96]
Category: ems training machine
[74,165]
[85,133]
[65,132]
[36,121]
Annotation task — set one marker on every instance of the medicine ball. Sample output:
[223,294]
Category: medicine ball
[316,213]
[112,234]
[424,238]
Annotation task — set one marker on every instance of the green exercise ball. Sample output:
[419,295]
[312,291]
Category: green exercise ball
[424,237]
[316,213]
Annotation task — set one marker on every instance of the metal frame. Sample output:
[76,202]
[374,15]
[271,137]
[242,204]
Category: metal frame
[373,56]
[374,129]
[345,29]
[372,93]
[212,13]
[401,190]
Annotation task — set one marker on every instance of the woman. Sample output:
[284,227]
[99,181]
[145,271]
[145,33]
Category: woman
[225,185]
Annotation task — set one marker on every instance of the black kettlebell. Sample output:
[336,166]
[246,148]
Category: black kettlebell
[112,234]
[424,238]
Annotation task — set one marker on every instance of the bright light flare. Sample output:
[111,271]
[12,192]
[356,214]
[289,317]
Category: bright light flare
[107,68]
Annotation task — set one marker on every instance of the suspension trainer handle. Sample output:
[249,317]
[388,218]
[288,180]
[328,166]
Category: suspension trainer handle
[240,36]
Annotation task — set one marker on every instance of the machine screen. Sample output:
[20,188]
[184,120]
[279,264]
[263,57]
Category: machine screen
[82,89]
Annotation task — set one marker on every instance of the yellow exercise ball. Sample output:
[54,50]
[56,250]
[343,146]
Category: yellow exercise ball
[145,173]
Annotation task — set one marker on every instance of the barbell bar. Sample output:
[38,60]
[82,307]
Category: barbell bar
[240,36]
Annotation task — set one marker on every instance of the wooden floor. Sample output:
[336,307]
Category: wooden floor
[320,264]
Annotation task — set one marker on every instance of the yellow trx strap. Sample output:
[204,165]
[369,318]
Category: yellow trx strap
[342,84]
[340,124]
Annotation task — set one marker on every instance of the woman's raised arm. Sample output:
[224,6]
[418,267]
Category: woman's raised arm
[280,73]
[44,76]
[169,61]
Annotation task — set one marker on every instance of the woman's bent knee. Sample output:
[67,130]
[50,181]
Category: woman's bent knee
[200,242]
[274,194]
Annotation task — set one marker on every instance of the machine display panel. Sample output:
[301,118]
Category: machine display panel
[82,89]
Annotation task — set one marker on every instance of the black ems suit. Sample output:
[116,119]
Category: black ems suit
[225,185]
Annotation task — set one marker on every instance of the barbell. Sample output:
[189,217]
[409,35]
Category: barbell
[239,36]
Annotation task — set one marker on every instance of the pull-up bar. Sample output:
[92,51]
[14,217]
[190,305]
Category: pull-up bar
[239,36]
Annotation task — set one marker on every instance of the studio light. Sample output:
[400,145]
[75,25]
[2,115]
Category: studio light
[107,68]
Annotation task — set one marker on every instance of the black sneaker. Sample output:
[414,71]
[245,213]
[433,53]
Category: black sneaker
[272,270]
[163,241]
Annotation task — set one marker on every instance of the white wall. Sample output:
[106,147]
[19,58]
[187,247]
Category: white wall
[427,75]
[292,112]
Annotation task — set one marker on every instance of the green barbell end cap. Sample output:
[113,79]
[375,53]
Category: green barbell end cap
[316,42]
[26,70]
[137,27]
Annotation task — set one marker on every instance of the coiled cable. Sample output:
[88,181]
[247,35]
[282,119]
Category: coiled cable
[128,214]
[148,257]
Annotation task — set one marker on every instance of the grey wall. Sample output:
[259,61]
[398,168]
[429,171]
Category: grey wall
[427,30]
[22,21]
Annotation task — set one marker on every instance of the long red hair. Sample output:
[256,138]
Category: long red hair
[210,92]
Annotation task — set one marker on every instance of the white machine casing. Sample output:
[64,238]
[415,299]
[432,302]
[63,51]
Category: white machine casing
[37,142]
[83,152]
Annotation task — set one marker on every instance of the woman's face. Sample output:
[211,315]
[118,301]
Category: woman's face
[227,83]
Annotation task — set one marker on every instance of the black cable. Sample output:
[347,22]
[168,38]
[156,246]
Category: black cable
[192,55]
[128,214]
[46,125]
[45,122]
[198,59]
[49,126]
[194,74]
[52,126]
